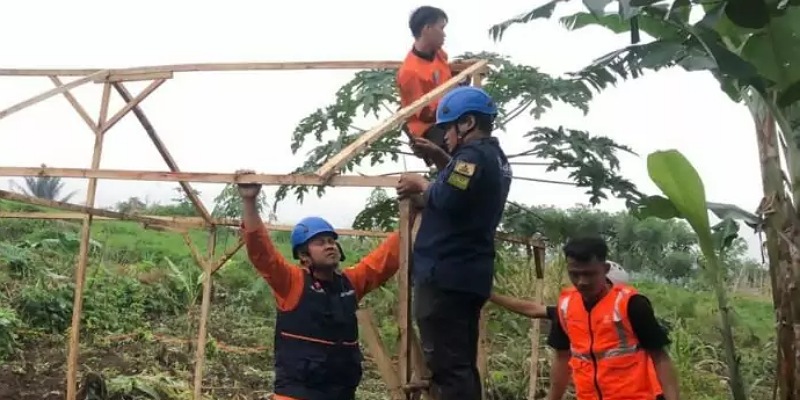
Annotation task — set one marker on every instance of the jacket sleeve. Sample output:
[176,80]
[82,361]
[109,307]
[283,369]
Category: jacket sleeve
[285,279]
[452,190]
[376,268]
[410,86]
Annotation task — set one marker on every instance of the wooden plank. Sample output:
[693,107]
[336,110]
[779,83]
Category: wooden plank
[132,77]
[202,177]
[372,339]
[205,307]
[75,104]
[162,149]
[217,67]
[227,256]
[404,293]
[174,222]
[83,256]
[81,211]
[131,104]
[365,140]
[50,93]
[537,255]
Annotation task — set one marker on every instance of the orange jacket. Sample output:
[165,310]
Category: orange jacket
[605,354]
[286,280]
[415,78]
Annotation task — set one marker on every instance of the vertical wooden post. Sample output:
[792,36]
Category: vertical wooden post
[535,260]
[404,295]
[83,254]
[483,358]
[205,306]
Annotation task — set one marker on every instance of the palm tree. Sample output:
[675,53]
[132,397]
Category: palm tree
[43,187]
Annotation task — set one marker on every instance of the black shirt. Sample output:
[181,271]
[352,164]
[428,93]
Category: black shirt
[651,335]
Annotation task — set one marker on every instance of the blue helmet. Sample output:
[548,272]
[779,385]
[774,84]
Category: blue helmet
[309,227]
[462,100]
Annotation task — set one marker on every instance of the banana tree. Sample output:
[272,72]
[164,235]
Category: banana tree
[686,199]
[753,49]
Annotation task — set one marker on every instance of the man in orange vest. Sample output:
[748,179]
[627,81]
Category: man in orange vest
[425,67]
[605,333]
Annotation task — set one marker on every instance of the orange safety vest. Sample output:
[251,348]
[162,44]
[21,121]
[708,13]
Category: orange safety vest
[606,360]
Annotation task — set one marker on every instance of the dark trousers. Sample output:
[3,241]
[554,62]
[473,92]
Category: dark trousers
[448,324]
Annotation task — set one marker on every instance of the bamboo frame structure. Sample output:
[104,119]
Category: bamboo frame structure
[406,383]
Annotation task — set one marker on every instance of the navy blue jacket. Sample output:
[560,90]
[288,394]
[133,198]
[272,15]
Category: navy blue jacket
[454,248]
[317,356]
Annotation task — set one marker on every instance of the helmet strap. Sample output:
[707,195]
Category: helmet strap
[460,135]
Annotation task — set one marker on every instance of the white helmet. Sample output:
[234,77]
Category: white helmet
[616,274]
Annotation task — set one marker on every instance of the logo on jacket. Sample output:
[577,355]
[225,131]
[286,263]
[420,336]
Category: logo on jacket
[436,77]
[317,287]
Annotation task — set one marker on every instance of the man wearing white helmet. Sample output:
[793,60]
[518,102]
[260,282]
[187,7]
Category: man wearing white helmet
[616,274]
[605,333]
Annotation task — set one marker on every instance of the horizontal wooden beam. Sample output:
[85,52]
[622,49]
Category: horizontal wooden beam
[365,140]
[216,67]
[52,92]
[128,77]
[193,222]
[202,177]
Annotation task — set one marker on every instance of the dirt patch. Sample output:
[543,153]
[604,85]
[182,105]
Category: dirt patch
[38,372]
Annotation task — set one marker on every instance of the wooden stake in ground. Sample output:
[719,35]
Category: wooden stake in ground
[535,260]
[83,255]
[404,293]
[202,330]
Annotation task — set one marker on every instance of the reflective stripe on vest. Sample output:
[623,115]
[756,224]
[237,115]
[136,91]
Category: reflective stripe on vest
[606,360]
[624,348]
[316,344]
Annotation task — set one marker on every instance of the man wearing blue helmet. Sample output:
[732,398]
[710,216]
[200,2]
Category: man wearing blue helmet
[454,248]
[317,356]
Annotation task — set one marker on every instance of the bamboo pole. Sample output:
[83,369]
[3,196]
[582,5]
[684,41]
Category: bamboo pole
[162,149]
[83,253]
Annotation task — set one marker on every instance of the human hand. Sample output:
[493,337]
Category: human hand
[424,148]
[248,190]
[411,184]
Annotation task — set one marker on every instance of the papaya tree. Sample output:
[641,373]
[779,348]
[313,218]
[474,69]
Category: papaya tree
[520,90]
[753,49]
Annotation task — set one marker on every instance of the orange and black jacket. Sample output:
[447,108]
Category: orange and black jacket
[316,333]
[419,74]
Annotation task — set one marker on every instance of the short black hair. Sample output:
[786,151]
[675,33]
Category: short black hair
[586,248]
[425,15]
[484,122]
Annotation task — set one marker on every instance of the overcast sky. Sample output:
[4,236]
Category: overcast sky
[219,122]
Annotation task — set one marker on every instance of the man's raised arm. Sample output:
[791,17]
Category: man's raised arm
[285,279]
[375,268]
